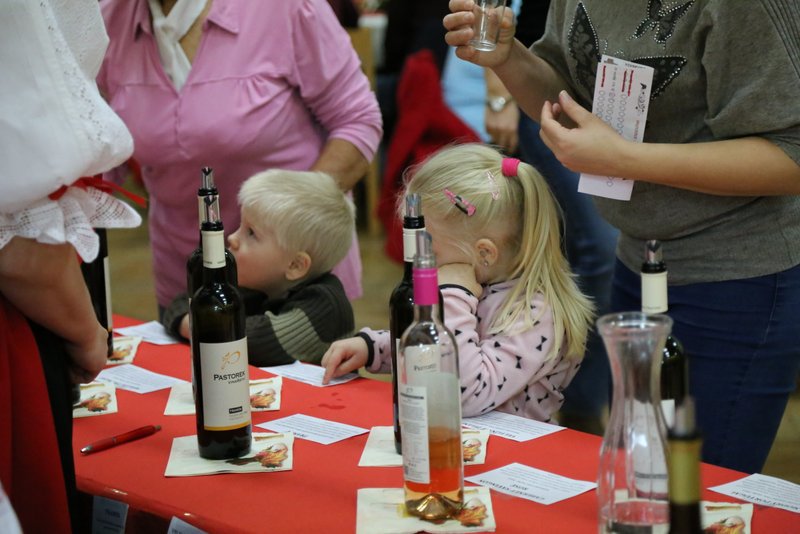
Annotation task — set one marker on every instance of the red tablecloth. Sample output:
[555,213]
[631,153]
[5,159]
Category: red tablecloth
[319,493]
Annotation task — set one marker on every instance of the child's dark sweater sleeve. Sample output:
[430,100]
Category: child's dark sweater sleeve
[303,326]
[173,315]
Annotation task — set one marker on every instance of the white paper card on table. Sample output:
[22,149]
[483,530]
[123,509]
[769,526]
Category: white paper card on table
[125,348]
[179,526]
[763,489]
[380,452]
[307,373]
[511,426]
[726,517]
[313,428]
[621,100]
[109,516]
[265,396]
[136,379]
[382,511]
[269,452]
[181,400]
[531,483]
[152,332]
[97,398]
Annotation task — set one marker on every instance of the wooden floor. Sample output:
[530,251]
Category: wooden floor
[133,295]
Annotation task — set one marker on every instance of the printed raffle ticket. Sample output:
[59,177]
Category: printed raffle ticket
[621,100]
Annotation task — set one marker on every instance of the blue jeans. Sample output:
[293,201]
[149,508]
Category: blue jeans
[742,338]
[590,243]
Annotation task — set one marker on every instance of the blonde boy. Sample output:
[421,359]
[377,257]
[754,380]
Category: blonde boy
[295,226]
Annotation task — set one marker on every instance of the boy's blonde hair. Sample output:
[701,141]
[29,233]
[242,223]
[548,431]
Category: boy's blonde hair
[521,216]
[306,211]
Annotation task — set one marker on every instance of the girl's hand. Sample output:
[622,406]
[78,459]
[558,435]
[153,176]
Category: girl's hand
[460,274]
[459,31]
[344,356]
[589,145]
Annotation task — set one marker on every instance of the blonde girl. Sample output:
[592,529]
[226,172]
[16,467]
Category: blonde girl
[519,319]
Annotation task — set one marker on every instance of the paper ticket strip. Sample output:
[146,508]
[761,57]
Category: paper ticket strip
[621,100]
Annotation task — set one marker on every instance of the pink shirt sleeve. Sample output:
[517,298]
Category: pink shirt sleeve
[328,73]
[382,355]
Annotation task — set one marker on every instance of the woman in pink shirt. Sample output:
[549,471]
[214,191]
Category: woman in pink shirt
[240,87]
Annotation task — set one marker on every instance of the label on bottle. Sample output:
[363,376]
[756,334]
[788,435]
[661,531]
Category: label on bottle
[654,292]
[410,243]
[213,249]
[668,408]
[226,392]
[414,422]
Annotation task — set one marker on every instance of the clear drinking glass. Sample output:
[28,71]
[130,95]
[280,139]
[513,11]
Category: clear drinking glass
[632,487]
[488,14]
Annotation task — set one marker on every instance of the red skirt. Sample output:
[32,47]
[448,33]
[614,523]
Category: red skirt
[30,465]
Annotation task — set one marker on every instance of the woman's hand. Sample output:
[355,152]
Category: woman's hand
[502,127]
[344,356]
[587,145]
[46,285]
[459,31]
[88,358]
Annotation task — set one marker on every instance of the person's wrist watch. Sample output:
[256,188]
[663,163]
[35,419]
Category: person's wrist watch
[498,103]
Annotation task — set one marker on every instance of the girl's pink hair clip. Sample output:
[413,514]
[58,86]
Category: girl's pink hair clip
[459,202]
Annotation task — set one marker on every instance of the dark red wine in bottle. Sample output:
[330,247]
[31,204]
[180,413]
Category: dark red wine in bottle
[401,302]
[219,350]
[674,362]
[96,273]
[684,442]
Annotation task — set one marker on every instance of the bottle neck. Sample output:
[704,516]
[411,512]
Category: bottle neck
[427,313]
[411,227]
[213,254]
[426,287]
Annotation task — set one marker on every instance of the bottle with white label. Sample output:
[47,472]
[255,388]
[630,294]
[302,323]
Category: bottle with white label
[674,362]
[430,401]
[219,349]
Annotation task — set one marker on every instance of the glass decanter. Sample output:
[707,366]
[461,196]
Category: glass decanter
[632,488]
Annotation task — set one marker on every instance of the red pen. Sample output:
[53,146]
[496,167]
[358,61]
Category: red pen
[107,443]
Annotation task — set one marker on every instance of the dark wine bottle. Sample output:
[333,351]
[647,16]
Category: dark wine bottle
[401,303]
[674,362]
[430,401]
[96,273]
[219,349]
[683,460]
[194,264]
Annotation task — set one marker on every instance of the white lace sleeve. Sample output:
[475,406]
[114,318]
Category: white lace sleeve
[70,219]
[54,125]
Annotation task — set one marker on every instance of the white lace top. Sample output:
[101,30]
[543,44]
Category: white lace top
[54,125]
